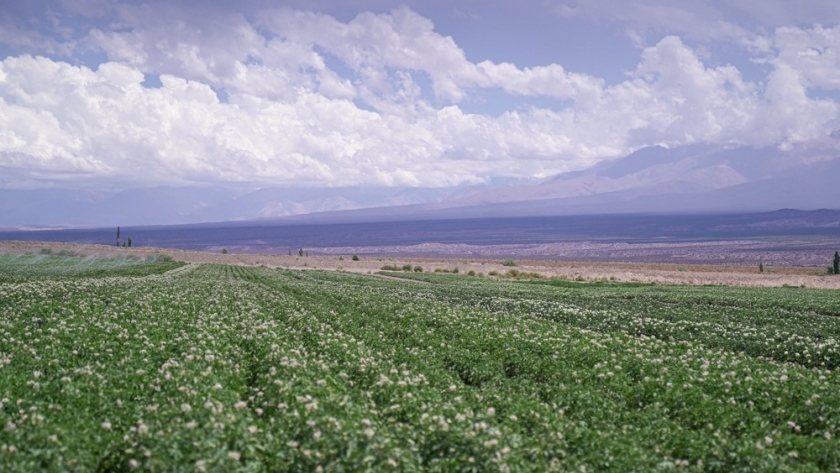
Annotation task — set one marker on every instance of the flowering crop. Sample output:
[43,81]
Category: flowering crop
[226,368]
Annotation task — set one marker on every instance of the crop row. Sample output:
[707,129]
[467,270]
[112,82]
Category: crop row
[222,368]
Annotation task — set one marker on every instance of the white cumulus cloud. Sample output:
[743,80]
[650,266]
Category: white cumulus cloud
[290,97]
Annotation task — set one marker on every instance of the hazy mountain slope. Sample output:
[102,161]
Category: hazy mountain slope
[689,179]
[184,205]
[653,170]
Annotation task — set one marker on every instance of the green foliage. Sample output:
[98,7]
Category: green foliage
[229,368]
[509,262]
[837,262]
[38,267]
[224,251]
[418,269]
[355,258]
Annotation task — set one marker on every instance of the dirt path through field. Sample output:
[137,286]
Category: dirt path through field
[620,272]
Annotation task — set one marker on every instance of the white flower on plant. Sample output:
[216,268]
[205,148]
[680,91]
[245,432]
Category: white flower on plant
[369,432]
[106,425]
[234,455]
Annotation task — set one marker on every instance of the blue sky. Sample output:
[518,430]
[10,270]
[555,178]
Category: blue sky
[97,93]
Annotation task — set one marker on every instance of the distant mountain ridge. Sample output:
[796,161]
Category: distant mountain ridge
[185,205]
[692,179]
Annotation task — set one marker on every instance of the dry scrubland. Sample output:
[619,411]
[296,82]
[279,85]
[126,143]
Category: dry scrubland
[587,271]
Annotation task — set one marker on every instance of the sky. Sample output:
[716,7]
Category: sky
[122,94]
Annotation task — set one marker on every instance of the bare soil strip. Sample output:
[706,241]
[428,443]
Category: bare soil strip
[583,271]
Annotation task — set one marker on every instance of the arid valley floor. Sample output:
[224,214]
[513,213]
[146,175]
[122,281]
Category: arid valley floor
[722,273]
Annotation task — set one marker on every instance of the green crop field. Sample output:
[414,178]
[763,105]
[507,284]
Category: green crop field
[120,365]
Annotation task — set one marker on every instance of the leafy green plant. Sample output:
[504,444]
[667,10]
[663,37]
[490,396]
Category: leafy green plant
[225,368]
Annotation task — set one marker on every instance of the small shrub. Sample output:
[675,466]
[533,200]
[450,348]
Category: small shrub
[509,262]
[579,279]
[493,273]
[455,270]
[389,267]
[224,251]
[407,267]
[341,258]
[418,269]
[512,273]
[355,258]
[471,273]
[46,251]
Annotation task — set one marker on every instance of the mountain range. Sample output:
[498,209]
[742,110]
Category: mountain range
[693,179]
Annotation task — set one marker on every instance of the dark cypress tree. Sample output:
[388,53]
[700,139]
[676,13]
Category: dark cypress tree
[129,242]
[118,236]
[837,262]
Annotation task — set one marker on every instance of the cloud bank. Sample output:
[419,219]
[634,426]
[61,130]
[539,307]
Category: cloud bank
[284,96]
